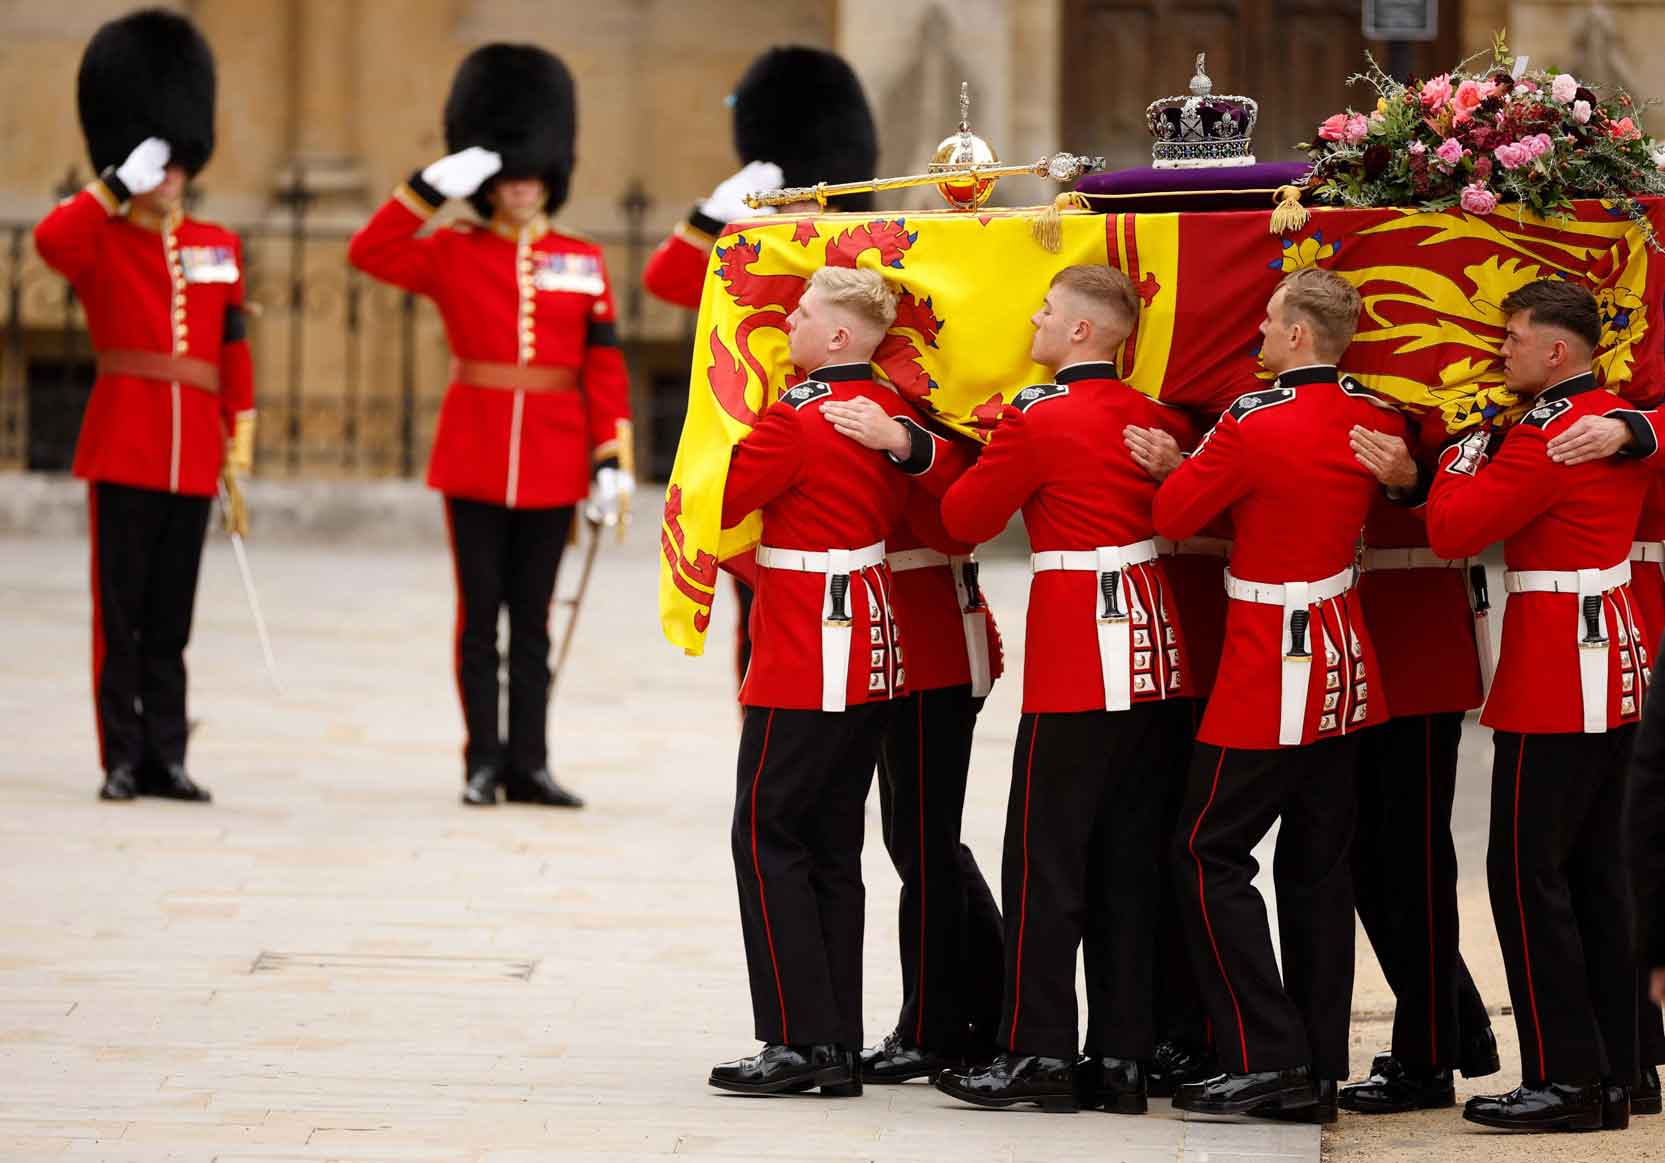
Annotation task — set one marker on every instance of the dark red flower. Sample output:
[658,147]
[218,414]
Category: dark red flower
[1376,159]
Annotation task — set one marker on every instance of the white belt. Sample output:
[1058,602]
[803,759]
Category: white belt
[973,614]
[1414,558]
[1421,557]
[1653,551]
[1299,646]
[1590,631]
[906,560]
[1115,635]
[1194,547]
[837,619]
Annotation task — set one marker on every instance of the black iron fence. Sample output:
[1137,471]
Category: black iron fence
[349,373]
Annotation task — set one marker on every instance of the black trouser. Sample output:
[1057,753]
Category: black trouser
[1405,884]
[146,551]
[1645,815]
[743,594]
[947,921]
[1080,864]
[505,557]
[1181,1016]
[1561,901]
[802,780]
[1261,1021]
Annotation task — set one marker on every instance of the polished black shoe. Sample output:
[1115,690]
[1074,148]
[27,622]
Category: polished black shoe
[119,783]
[1615,1107]
[782,1069]
[1236,1094]
[171,783]
[1550,1106]
[1323,1110]
[1477,1056]
[898,1060]
[1174,1064]
[1391,1089]
[1116,1085]
[480,786]
[1053,1084]
[1644,1097]
[538,787]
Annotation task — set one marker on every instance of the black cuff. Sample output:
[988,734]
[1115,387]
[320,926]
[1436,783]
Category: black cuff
[702,221]
[601,333]
[236,327]
[604,462]
[118,189]
[1644,442]
[922,449]
[424,191]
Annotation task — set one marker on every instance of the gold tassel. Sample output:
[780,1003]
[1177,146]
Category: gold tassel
[1288,213]
[1047,227]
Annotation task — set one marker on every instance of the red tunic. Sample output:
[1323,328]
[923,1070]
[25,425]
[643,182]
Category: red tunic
[1196,570]
[1647,580]
[531,298]
[1549,517]
[675,271]
[1059,456]
[817,490]
[173,288]
[1420,620]
[1280,464]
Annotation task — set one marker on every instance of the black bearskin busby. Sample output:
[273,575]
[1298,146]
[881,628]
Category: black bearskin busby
[147,74]
[517,100]
[804,109]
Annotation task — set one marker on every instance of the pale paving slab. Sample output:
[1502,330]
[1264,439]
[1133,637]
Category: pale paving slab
[335,961]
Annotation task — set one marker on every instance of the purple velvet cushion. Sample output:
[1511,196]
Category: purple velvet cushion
[1149,190]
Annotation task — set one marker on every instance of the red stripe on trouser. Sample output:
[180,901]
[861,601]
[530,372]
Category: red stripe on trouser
[757,870]
[1202,899]
[919,1017]
[459,623]
[97,623]
[1520,906]
[1428,851]
[1023,896]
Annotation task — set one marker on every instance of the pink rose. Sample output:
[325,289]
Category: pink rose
[1476,199]
[1437,92]
[1416,149]
[1512,155]
[1357,129]
[1581,112]
[1450,151]
[1333,127]
[1564,88]
[1624,129]
[1468,98]
[1538,144]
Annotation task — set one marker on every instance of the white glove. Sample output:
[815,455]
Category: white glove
[609,486]
[728,201]
[146,166]
[460,174]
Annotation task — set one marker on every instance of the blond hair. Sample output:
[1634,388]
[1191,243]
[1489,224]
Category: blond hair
[863,293]
[1103,286]
[1327,303]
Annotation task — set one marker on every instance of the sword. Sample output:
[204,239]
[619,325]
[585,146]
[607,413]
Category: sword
[242,555]
[573,604]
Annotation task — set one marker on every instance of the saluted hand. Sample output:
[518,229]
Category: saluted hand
[1155,451]
[146,166]
[728,200]
[1387,457]
[460,174]
[1589,438]
[869,425]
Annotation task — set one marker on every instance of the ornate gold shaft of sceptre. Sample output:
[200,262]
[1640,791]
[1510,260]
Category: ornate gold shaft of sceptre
[1060,167]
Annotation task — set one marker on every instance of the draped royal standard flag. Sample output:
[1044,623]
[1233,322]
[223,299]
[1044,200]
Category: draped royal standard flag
[1432,285]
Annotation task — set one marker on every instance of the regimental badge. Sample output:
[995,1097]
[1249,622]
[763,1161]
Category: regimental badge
[208,264]
[1542,414]
[579,274]
[1258,400]
[807,393]
[1035,393]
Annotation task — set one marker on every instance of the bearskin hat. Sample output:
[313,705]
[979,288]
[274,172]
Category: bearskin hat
[518,100]
[803,109]
[147,74]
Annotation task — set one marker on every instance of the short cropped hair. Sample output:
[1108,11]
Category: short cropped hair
[1103,285]
[1327,303]
[864,293]
[1560,304]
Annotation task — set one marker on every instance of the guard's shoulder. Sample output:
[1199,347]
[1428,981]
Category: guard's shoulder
[1358,391]
[1037,393]
[1258,401]
[462,227]
[805,393]
[1541,416]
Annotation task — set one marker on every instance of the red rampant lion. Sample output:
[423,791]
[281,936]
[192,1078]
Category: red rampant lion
[774,297]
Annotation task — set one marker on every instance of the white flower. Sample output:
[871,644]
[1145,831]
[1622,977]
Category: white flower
[1564,88]
[1581,112]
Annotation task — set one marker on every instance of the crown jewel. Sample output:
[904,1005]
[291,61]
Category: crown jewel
[1203,129]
